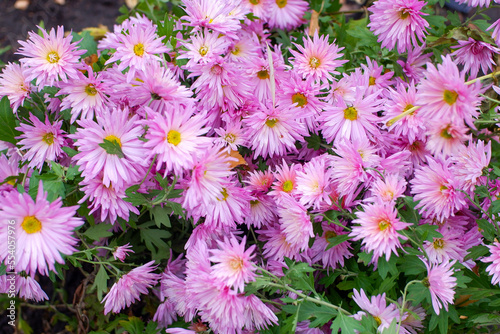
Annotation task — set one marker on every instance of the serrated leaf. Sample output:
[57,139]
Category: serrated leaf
[100,282]
[98,231]
[347,324]
[85,42]
[338,239]
[8,130]
[69,151]
[153,238]
[112,147]
[176,208]
[161,216]
[486,228]
[72,172]
[133,325]
[313,141]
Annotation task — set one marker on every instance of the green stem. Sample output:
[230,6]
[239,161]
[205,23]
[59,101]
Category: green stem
[489,98]
[483,211]
[335,222]
[400,116]
[487,76]
[401,311]
[149,170]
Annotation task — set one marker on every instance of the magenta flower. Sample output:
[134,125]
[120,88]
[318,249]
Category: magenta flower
[233,265]
[398,21]
[446,138]
[50,58]
[475,3]
[441,284]
[494,259]
[14,85]
[286,14]
[449,247]
[335,256]
[203,47]
[470,162]
[378,229]
[44,230]
[413,67]
[120,252]
[43,141]
[474,55]
[295,222]
[377,307]
[26,287]
[314,183]
[129,288]
[317,59]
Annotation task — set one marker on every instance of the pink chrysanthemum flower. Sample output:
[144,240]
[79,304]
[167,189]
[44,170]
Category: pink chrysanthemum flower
[494,258]
[121,252]
[119,167]
[335,256]
[496,31]
[378,229]
[398,21]
[413,67]
[377,308]
[203,47]
[295,222]
[356,121]
[378,79]
[136,49]
[26,287]
[260,181]
[231,137]
[276,247]
[470,162]
[474,55]
[176,137]
[387,190]
[9,168]
[475,3]
[261,211]
[286,180]
[317,59]
[441,284]
[259,8]
[314,184]
[286,14]
[411,323]
[444,95]
[437,189]
[233,265]
[44,230]
[43,141]
[129,288]
[449,247]
[85,95]
[445,139]
[50,58]
[14,85]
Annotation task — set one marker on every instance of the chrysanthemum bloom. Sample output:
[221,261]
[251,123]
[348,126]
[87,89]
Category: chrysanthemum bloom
[335,256]
[411,322]
[85,95]
[260,181]
[474,55]
[136,49]
[496,31]
[50,58]
[413,67]
[470,162]
[203,47]
[475,3]
[444,96]
[129,287]
[9,168]
[262,210]
[398,21]
[286,14]
[441,284]
[377,308]
[494,258]
[123,164]
[276,247]
[14,85]
[317,59]
[445,138]
[378,229]
[259,8]
[245,49]
[176,138]
[26,287]
[43,141]
[314,184]
[233,265]
[437,189]
[295,222]
[121,252]
[354,121]
[286,180]
[165,314]
[387,190]
[449,247]
[378,78]
[411,126]
[44,230]
[231,137]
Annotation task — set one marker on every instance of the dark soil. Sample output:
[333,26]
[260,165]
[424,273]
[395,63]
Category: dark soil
[75,14]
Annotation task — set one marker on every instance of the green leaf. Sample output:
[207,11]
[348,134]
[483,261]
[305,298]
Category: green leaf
[100,282]
[72,172]
[69,151]
[134,197]
[153,238]
[487,229]
[134,325]
[161,216]
[313,141]
[86,42]
[112,147]
[334,241]
[307,310]
[8,122]
[347,324]
[98,231]
[476,252]
[24,327]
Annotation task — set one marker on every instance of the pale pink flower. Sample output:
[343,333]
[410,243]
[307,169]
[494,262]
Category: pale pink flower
[317,59]
[332,257]
[378,229]
[441,284]
[260,181]
[129,288]
[398,21]
[411,323]
[43,229]
[26,287]
[413,66]
[494,259]
[9,168]
[233,265]
[295,222]
[286,14]
[261,211]
[474,55]
[449,247]
[445,139]
[378,78]
[14,85]
[276,247]
[286,180]
[496,31]
[121,252]
[470,163]
[231,137]
[259,8]
[314,184]
[387,190]
[203,47]
[43,141]
[50,58]
[475,3]
[377,307]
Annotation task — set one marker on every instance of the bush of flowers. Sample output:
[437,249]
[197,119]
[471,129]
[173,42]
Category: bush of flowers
[255,166]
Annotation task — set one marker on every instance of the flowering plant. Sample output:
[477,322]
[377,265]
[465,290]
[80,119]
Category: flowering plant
[255,166]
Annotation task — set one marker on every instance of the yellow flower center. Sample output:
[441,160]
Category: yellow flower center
[378,321]
[53,57]
[139,49]
[31,224]
[254,2]
[404,14]
[174,137]
[371,81]
[236,263]
[450,96]
[90,90]
[438,243]
[425,282]
[330,234]
[445,134]
[271,122]
[264,74]
[408,107]
[443,187]
[230,138]
[351,114]
[254,202]
[203,50]
[224,194]
[383,224]
[300,99]
[48,138]
[236,51]
[114,139]
[314,62]
[281,3]
[288,186]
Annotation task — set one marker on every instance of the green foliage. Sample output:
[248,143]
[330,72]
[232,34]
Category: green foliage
[8,132]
